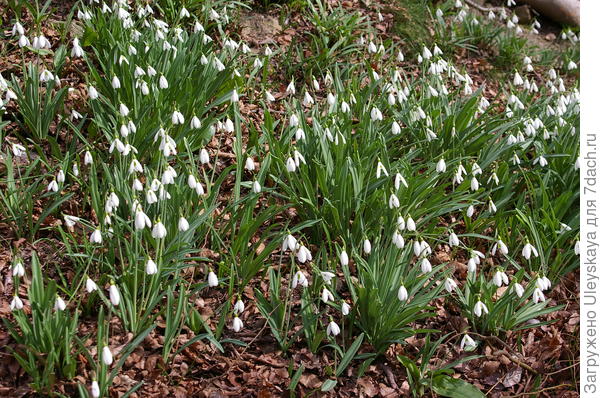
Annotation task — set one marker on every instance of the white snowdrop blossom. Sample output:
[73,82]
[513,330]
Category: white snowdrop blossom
[480,309]
[402,293]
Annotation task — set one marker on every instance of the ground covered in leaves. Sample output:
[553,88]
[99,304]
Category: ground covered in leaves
[540,362]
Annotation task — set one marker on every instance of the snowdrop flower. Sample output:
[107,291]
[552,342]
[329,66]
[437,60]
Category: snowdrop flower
[183,224]
[239,306]
[17,29]
[41,42]
[518,289]
[399,180]
[113,293]
[159,231]
[53,186]
[151,197]
[16,303]
[151,267]
[440,167]
[541,160]
[237,324]
[345,308]
[381,169]
[177,118]
[70,221]
[376,114]
[299,280]
[517,80]
[76,51]
[95,389]
[402,293]
[450,285]
[59,304]
[529,249]
[327,276]
[303,254]
[453,240]
[289,242]
[538,296]
[300,135]
[290,165]
[269,96]
[474,184]
[107,357]
[500,277]
[24,41]
[398,240]
[235,96]
[467,342]
[326,296]
[543,283]
[96,236]
[393,202]
[18,269]
[571,66]
[480,309]
[426,53]
[499,245]
[425,265]
[372,48]
[90,285]
[576,248]
[291,88]
[18,150]
[333,329]
[367,246]
[256,188]
[492,206]
[195,122]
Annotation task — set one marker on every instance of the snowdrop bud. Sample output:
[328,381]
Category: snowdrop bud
[333,329]
[480,309]
[249,164]
[345,308]
[395,128]
[440,167]
[344,260]
[192,181]
[90,285]
[162,82]
[425,266]
[453,240]
[402,293]
[107,357]
[467,342]
[213,281]
[290,165]
[95,389]
[16,303]
[410,224]
[115,296]
[151,267]
[183,224]
[470,211]
[237,324]
[59,304]
[204,157]
[450,285]
[367,246]
[159,231]
[116,83]
[256,188]
[235,96]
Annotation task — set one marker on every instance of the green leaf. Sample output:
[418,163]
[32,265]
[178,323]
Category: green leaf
[328,385]
[349,355]
[447,386]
